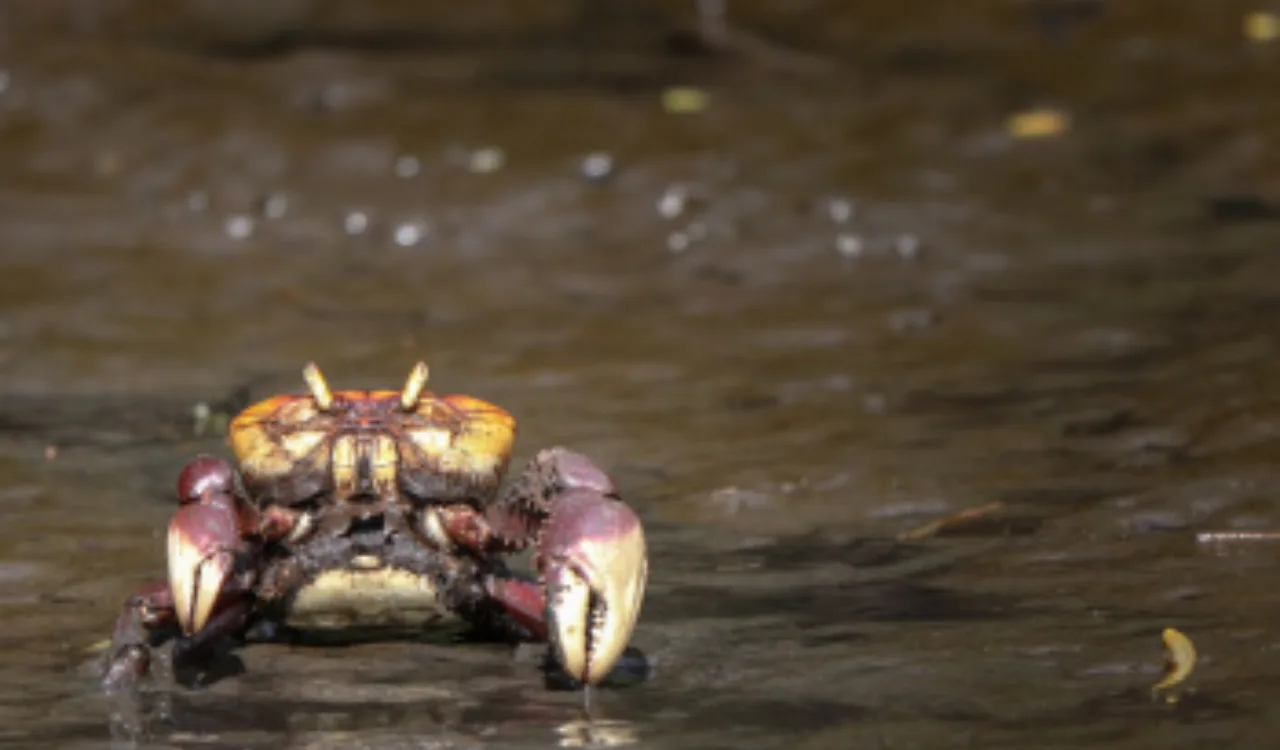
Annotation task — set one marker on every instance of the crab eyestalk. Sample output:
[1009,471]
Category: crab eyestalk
[595,565]
[319,388]
[413,386]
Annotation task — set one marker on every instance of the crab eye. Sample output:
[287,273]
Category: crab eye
[319,388]
[413,386]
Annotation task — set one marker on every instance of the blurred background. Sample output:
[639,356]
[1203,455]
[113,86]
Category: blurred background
[810,278]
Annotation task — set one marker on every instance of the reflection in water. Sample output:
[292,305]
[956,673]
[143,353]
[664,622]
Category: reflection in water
[597,733]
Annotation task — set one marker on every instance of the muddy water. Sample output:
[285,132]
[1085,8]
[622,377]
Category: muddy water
[837,304]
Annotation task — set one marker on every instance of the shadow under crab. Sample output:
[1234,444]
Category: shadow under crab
[370,513]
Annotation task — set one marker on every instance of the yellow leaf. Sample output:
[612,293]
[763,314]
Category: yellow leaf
[1038,123]
[684,100]
[1261,26]
[1180,657]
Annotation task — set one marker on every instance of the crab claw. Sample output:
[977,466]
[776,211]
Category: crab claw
[203,540]
[595,567]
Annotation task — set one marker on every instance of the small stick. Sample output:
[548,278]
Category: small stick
[947,523]
[1219,537]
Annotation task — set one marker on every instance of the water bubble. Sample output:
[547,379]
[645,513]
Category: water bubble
[410,233]
[197,201]
[107,163]
[907,246]
[911,319]
[408,166]
[486,160]
[275,205]
[238,226]
[672,202]
[355,222]
[201,414]
[849,245]
[840,210]
[597,165]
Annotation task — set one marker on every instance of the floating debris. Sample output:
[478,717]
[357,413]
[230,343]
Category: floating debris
[840,210]
[50,452]
[238,226]
[197,201]
[912,319]
[597,166]
[205,421]
[678,242]
[97,647]
[107,163]
[672,202]
[1227,537]
[1180,660]
[200,414]
[907,246]
[410,233]
[1261,27]
[486,160]
[952,522]
[355,223]
[408,166]
[849,245]
[684,100]
[1043,122]
[275,205]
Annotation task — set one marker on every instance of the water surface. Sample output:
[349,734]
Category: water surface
[839,303]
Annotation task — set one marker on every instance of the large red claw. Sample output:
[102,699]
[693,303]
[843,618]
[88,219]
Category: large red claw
[203,541]
[596,568]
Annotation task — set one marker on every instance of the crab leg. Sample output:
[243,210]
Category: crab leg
[591,557]
[147,616]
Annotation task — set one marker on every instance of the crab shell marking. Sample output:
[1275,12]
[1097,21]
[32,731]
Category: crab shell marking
[295,447]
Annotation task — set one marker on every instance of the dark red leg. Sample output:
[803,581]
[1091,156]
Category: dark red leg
[525,601]
[146,618]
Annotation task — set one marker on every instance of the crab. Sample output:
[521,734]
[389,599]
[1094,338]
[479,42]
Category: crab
[382,511]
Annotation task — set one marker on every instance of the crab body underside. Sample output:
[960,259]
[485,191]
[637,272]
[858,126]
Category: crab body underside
[368,513]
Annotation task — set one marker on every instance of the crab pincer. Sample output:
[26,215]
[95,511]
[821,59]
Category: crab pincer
[591,557]
[206,544]
[594,564]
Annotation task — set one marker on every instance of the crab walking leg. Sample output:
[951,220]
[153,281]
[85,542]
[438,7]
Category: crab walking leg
[524,601]
[591,556]
[147,616]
